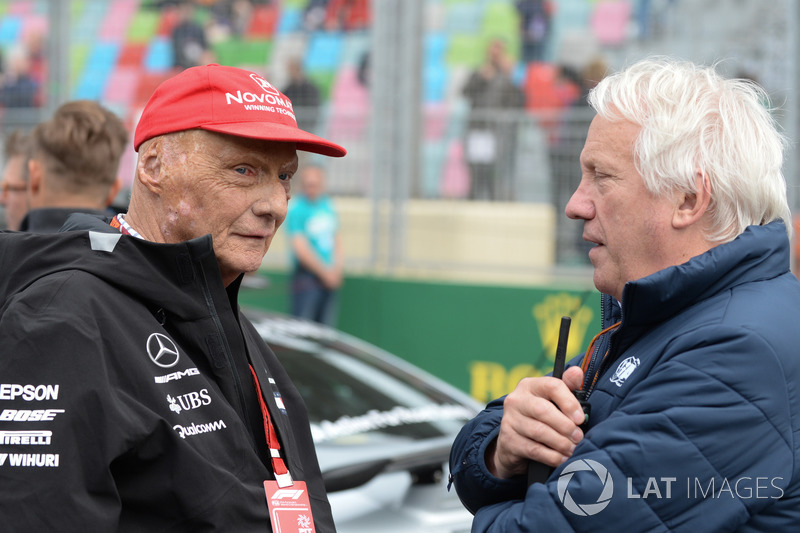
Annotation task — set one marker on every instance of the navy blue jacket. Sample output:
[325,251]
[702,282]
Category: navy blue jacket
[695,421]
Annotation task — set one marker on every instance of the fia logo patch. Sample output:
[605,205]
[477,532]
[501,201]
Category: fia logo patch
[624,371]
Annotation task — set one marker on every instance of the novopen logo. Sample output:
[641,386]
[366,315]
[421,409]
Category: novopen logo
[586,509]
[264,84]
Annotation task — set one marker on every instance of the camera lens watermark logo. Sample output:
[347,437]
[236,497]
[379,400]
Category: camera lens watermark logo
[586,509]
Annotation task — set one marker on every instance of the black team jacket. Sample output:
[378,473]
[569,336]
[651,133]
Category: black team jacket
[126,398]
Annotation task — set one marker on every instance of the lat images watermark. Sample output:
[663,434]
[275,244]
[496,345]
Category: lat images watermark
[598,488]
[586,509]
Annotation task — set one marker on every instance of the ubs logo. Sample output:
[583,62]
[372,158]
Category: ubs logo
[162,350]
[187,402]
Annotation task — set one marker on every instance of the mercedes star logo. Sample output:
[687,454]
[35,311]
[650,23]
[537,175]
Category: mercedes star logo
[162,350]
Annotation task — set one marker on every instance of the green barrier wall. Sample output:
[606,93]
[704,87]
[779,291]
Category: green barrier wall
[482,339]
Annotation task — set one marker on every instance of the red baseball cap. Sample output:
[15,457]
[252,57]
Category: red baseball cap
[226,100]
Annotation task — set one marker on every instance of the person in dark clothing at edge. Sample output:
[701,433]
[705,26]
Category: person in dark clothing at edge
[73,165]
[694,419]
[135,396]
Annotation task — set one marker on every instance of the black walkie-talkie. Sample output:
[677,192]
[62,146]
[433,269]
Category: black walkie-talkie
[540,471]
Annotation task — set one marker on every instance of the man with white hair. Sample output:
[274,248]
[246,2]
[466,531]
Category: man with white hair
[693,408]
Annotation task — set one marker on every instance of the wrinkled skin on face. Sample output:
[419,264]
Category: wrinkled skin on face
[234,188]
[635,233]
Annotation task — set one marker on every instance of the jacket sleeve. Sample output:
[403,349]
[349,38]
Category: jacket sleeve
[701,443]
[474,484]
[56,406]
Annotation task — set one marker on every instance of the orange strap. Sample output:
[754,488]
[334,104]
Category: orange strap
[588,357]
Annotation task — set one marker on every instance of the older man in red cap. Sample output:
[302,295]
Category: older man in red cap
[135,396]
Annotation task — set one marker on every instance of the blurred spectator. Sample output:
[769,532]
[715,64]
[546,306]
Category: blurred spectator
[14,195]
[316,248]
[347,15]
[565,152]
[304,95]
[491,131]
[189,42]
[18,87]
[73,165]
[232,15]
[534,21]
[363,72]
[591,74]
[314,15]
[35,44]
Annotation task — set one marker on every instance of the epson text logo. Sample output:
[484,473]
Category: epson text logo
[29,393]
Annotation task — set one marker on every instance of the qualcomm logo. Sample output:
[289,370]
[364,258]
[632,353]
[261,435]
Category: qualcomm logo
[162,350]
[586,509]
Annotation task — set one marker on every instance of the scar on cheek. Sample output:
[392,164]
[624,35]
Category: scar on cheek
[184,208]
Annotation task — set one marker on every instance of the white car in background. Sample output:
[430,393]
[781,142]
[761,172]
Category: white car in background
[382,428]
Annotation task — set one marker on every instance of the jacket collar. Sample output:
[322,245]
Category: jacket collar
[760,252]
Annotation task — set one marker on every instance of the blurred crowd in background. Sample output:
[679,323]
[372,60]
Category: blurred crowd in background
[502,87]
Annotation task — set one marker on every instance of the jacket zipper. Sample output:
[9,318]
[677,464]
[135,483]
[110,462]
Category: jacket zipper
[587,379]
[225,346]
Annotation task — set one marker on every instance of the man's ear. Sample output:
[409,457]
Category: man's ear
[35,181]
[148,165]
[690,208]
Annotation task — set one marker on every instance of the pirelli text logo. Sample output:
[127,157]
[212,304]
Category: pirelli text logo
[26,438]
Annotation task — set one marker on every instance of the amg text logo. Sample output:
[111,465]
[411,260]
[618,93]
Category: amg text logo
[177,375]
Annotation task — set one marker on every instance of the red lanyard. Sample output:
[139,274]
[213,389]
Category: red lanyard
[282,475]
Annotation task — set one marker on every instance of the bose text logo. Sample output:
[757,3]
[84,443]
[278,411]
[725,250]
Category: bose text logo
[28,415]
[162,350]
[25,438]
[586,509]
[196,429]
[177,375]
[29,393]
[187,402]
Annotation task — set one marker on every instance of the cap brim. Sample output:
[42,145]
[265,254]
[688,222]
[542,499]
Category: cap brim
[307,142]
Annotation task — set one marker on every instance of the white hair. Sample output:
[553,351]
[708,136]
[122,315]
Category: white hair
[693,119]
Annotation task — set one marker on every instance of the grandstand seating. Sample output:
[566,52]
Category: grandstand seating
[121,50]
